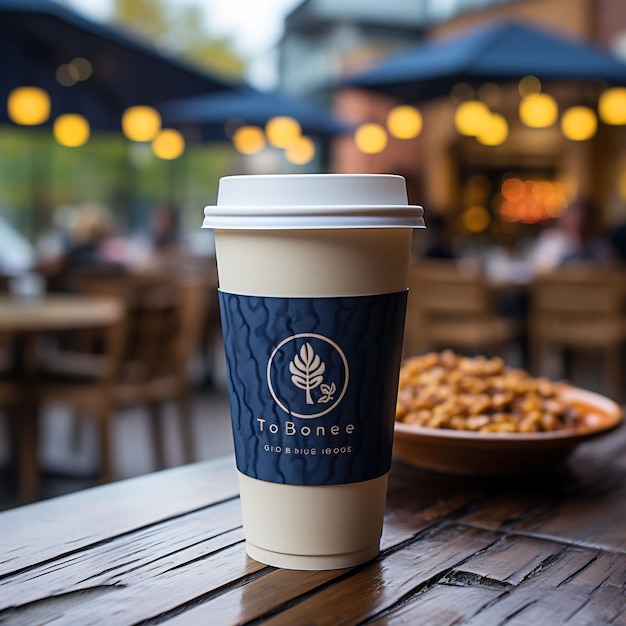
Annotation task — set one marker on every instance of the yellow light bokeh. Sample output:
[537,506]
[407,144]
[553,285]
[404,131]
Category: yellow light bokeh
[249,139]
[370,138]
[496,131]
[169,144]
[301,152]
[538,110]
[71,130]
[141,123]
[472,117]
[283,131]
[476,219]
[528,86]
[579,123]
[404,122]
[28,106]
[612,106]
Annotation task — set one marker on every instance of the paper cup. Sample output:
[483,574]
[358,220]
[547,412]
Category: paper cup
[313,284]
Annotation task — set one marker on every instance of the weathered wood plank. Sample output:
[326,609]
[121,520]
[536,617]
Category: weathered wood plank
[553,593]
[394,579]
[576,586]
[512,559]
[441,605]
[45,530]
[146,553]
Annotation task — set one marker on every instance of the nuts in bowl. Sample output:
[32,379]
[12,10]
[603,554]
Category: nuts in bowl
[449,391]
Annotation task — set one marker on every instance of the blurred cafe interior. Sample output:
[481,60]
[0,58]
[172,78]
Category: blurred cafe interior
[506,117]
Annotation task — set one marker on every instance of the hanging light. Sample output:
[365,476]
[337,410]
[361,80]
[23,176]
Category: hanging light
[83,67]
[404,122]
[612,106]
[141,123]
[370,138]
[282,131]
[495,132]
[28,106]
[579,123]
[249,139]
[169,144]
[71,130]
[471,117]
[476,219]
[538,110]
[528,86]
[301,152]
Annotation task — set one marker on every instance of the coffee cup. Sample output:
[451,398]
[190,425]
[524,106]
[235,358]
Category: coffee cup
[313,273]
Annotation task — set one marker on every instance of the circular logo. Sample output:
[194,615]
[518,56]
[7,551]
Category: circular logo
[307,375]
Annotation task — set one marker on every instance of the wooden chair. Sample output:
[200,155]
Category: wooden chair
[453,307]
[580,309]
[21,427]
[161,329]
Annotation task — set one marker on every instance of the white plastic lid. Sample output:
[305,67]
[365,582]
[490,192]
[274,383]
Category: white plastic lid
[312,201]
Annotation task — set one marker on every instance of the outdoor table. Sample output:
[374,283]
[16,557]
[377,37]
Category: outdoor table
[26,319]
[168,548]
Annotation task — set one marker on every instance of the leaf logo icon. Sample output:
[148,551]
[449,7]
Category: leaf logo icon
[327,391]
[307,370]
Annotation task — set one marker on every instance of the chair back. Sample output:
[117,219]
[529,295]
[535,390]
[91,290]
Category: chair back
[578,306]
[451,306]
[164,316]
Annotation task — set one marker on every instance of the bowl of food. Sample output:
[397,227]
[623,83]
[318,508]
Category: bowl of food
[477,416]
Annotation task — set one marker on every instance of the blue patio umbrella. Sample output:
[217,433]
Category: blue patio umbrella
[38,36]
[206,117]
[499,51]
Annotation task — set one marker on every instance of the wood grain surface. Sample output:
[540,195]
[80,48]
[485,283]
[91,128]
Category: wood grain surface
[168,548]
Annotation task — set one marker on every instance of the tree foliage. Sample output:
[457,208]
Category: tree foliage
[179,29]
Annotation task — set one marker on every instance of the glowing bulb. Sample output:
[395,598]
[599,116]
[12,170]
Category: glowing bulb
[282,131]
[301,152]
[579,123]
[404,122]
[141,123]
[168,144]
[528,86]
[28,106]
[370,138]
[538,110]
[476,219]
[248,139]
[472,117]
[71,130]
[612,106]
[495,132]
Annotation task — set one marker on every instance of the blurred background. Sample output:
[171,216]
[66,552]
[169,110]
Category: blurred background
[118,117]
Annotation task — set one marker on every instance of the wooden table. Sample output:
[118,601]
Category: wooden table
[168,547]
[24,320]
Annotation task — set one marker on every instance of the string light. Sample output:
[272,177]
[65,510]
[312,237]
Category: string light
[282,131]
[495,132]
[404,122]
[249,139]
[28,106]
[169,144]
[538,110]
[472,117]
[370,138]
[301,152]
[612,106]
[141,123]
[579,123]
[71,130]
